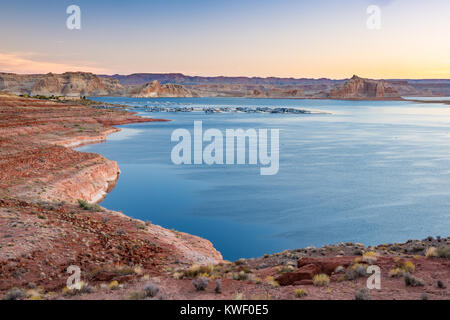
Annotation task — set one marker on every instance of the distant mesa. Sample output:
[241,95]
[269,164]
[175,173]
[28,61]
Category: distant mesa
[156,85]
[155,90]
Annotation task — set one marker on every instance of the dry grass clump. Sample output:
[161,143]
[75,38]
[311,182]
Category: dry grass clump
[271,281]
[261,297]
[300,293]
[82,288]
[402,267]
[406,265]
[285,269]
[321,280]
[198,271]
[396,273]
[113,285]
[369,257]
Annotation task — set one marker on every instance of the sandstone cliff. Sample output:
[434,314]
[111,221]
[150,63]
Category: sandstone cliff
[67,84]
[155,90]
[360,88]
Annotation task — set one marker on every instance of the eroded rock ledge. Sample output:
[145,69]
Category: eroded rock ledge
[43,229]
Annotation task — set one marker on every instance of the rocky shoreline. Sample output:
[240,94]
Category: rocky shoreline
[48,222]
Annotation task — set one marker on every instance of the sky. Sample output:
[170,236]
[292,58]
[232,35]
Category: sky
[280,38]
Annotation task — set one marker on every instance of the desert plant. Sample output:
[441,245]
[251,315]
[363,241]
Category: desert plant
[321,280]
[440,284]
[200,284]
[218,288]
[405,265]
[151,289]
[113,285]
[89,207]
[362,294]
[271,281]
[396,273]
[242,276]
[355,272]
[135,295]
[300,293]
[412,281]
[443,252]
[286,269]
[14,294]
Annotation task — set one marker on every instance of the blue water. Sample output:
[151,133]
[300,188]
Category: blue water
[370,172]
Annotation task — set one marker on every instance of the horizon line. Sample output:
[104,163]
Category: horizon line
[219,76]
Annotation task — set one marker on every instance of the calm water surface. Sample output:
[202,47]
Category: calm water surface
[370,172]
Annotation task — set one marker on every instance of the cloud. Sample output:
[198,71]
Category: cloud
[24,63]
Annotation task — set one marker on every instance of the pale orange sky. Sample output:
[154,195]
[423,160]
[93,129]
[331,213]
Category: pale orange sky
[283,38]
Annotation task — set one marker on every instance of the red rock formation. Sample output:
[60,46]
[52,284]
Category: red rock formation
[155,90]
[309,267]
[359,88]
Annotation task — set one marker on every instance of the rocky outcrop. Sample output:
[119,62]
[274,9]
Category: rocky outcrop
[359,88]
[76,84]
[309,267]
[156,90]
[69,84]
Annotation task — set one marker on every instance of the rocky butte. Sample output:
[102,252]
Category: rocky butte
[359,88]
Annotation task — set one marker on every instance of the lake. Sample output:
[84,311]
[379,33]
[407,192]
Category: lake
[368,171]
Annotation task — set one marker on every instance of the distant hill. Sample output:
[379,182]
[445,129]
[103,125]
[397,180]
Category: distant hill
[179,85]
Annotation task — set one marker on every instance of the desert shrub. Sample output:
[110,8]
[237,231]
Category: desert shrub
[300,293]
[431,252]
[424,296]
[199,270]
[271,281]
[14,294]
[362,294]
[114,285]
[136,295]
[218,288]
[200,284]
[89,207]
[241,276]
[355,272]
[151,290]
[261,297]
[321,280]
[412,281]
[369,257]
[407,266]
[286,269]
[396,273]
[440,284]
[443,252]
